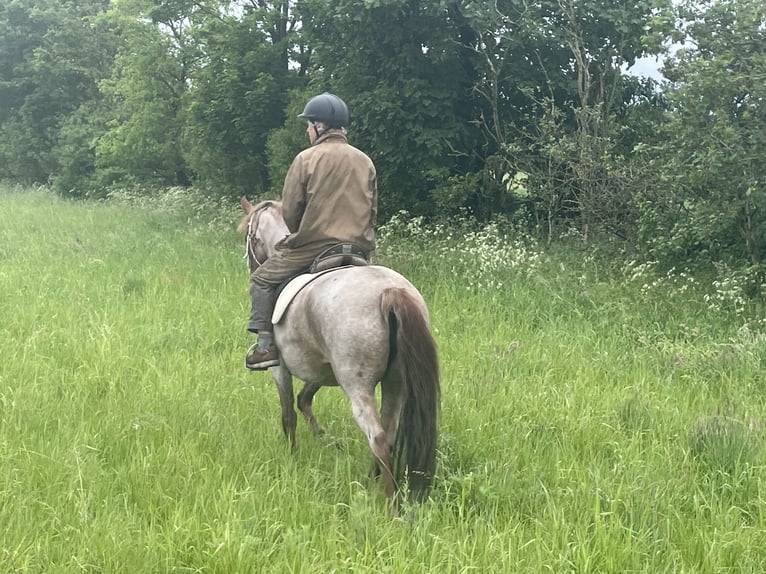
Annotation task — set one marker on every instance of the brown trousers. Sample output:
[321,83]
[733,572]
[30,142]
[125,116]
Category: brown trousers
[265,281]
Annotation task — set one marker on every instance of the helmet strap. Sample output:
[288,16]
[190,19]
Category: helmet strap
[317,133]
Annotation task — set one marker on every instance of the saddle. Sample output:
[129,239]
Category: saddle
[335,257]
[339,255]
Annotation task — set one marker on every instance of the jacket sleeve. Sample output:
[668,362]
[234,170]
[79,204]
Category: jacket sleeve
[294,196]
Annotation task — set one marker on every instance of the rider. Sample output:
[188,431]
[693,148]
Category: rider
[329,197]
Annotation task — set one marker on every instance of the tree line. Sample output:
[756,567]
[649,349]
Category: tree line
[514,108]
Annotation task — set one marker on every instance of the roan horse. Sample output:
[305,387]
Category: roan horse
[354,327]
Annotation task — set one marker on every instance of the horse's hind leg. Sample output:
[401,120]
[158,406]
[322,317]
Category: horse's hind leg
[364,411]
[305,399]
[284,381]
[390,407]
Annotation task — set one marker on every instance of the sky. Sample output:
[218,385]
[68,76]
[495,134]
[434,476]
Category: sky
[648,66]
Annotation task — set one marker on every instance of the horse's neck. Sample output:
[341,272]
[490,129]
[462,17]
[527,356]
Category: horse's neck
[272,230]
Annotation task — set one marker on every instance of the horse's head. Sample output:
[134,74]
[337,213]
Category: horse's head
[264,228]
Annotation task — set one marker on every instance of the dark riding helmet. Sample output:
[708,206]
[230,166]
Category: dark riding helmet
[328,109]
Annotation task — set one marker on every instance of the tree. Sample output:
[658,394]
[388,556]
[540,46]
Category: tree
[239,94]
[52,56]
[403,74]
[712,204]
[145,94]
[552,82]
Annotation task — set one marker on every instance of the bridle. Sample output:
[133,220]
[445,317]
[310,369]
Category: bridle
[251,243]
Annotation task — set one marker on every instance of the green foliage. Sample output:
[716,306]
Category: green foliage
[452,100]
[238,99]
[710,200]
[52,56]
[489,256]
[556,106]
[196,90]
[75,151]
[406,81]
[145,94]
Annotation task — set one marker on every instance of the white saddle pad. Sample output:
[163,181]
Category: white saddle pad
[291,290]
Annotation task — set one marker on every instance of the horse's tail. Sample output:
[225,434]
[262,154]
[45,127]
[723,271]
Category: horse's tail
[413,349]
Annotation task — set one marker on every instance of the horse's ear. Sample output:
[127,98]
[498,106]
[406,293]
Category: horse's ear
[246,205]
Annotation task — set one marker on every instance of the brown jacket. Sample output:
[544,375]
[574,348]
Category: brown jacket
[330,196]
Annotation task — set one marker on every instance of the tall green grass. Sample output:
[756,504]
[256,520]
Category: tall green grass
[589,423]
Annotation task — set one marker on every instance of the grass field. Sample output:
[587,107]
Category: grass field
[592,421]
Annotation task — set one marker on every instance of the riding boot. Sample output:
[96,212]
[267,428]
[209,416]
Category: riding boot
[259,359]
[262,354]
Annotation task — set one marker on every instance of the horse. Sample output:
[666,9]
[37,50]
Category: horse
[354,327]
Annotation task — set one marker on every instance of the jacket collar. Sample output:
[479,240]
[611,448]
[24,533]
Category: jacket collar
[336,135]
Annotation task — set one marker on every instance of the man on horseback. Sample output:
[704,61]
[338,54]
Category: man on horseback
[329,197]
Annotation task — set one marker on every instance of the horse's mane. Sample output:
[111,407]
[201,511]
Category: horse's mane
[249,208]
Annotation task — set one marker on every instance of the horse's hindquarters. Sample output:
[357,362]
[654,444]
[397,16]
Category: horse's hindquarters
[335,325]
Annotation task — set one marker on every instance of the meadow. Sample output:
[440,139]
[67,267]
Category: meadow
[595,418]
